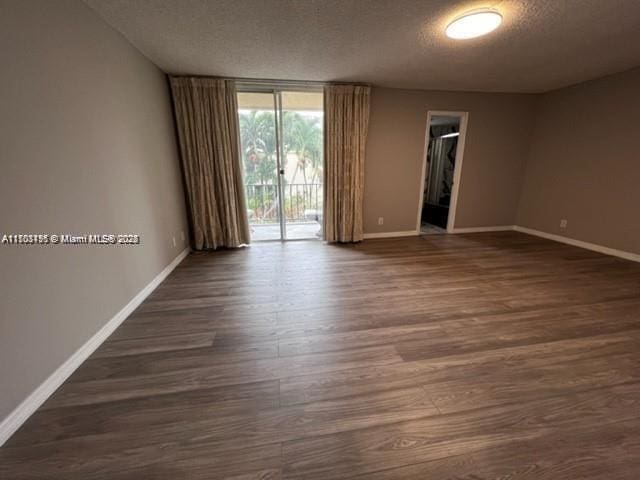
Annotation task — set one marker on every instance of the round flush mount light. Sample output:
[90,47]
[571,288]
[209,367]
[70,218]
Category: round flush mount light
[474,24]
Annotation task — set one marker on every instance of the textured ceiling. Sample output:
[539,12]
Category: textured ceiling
[541,45]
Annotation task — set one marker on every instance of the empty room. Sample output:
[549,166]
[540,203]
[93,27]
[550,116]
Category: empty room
[320,239]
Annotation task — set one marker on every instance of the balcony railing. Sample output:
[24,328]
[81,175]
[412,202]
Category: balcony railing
[302,202]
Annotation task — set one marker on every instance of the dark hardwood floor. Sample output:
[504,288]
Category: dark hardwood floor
[483,356]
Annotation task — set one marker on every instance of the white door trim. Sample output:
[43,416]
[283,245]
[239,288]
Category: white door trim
[457,171]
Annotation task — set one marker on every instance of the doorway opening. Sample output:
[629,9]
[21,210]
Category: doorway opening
[281,136]
[444,147]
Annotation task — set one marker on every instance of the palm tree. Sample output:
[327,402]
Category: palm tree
[257,134]
[303,136]
[258,146]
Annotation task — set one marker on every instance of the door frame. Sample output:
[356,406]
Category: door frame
[457,169]
[277,112]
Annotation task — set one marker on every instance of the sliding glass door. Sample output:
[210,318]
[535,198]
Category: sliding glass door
[281,133]
[261,163]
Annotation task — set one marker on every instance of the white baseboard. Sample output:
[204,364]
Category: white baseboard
[410,233]
[22,412]
[579,243]
[634,257]
[500,228]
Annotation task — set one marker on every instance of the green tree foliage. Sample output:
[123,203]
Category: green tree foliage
[301,136]
[257,134]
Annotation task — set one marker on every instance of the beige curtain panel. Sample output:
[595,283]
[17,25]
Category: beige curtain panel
[207,122]
[346,123]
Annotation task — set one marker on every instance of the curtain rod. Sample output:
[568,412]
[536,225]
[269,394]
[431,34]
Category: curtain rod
[273,81]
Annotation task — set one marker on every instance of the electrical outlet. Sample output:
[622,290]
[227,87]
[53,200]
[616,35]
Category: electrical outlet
[182,235]
[174,241]
[380,220]
[563,223]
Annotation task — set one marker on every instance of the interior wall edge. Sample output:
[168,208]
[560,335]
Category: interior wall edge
[10,424]
[88,148]
[407,233]
[529,231]
[634,257]
[581,163]
[497,228]
[494,155]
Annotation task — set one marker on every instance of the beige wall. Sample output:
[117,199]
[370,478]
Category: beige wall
[86,145]
[496,149]
[584,163]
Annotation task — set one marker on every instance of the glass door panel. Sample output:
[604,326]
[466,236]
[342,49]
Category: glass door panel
[302,162]
[281,133]
[260,161]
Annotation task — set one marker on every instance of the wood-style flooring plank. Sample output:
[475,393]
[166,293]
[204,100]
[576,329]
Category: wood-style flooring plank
[120,387]
[514,361]
[142,414]
[134,346]
[480,356]
[369,450]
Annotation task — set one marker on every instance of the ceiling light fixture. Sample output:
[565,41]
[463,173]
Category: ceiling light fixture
[474,24]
